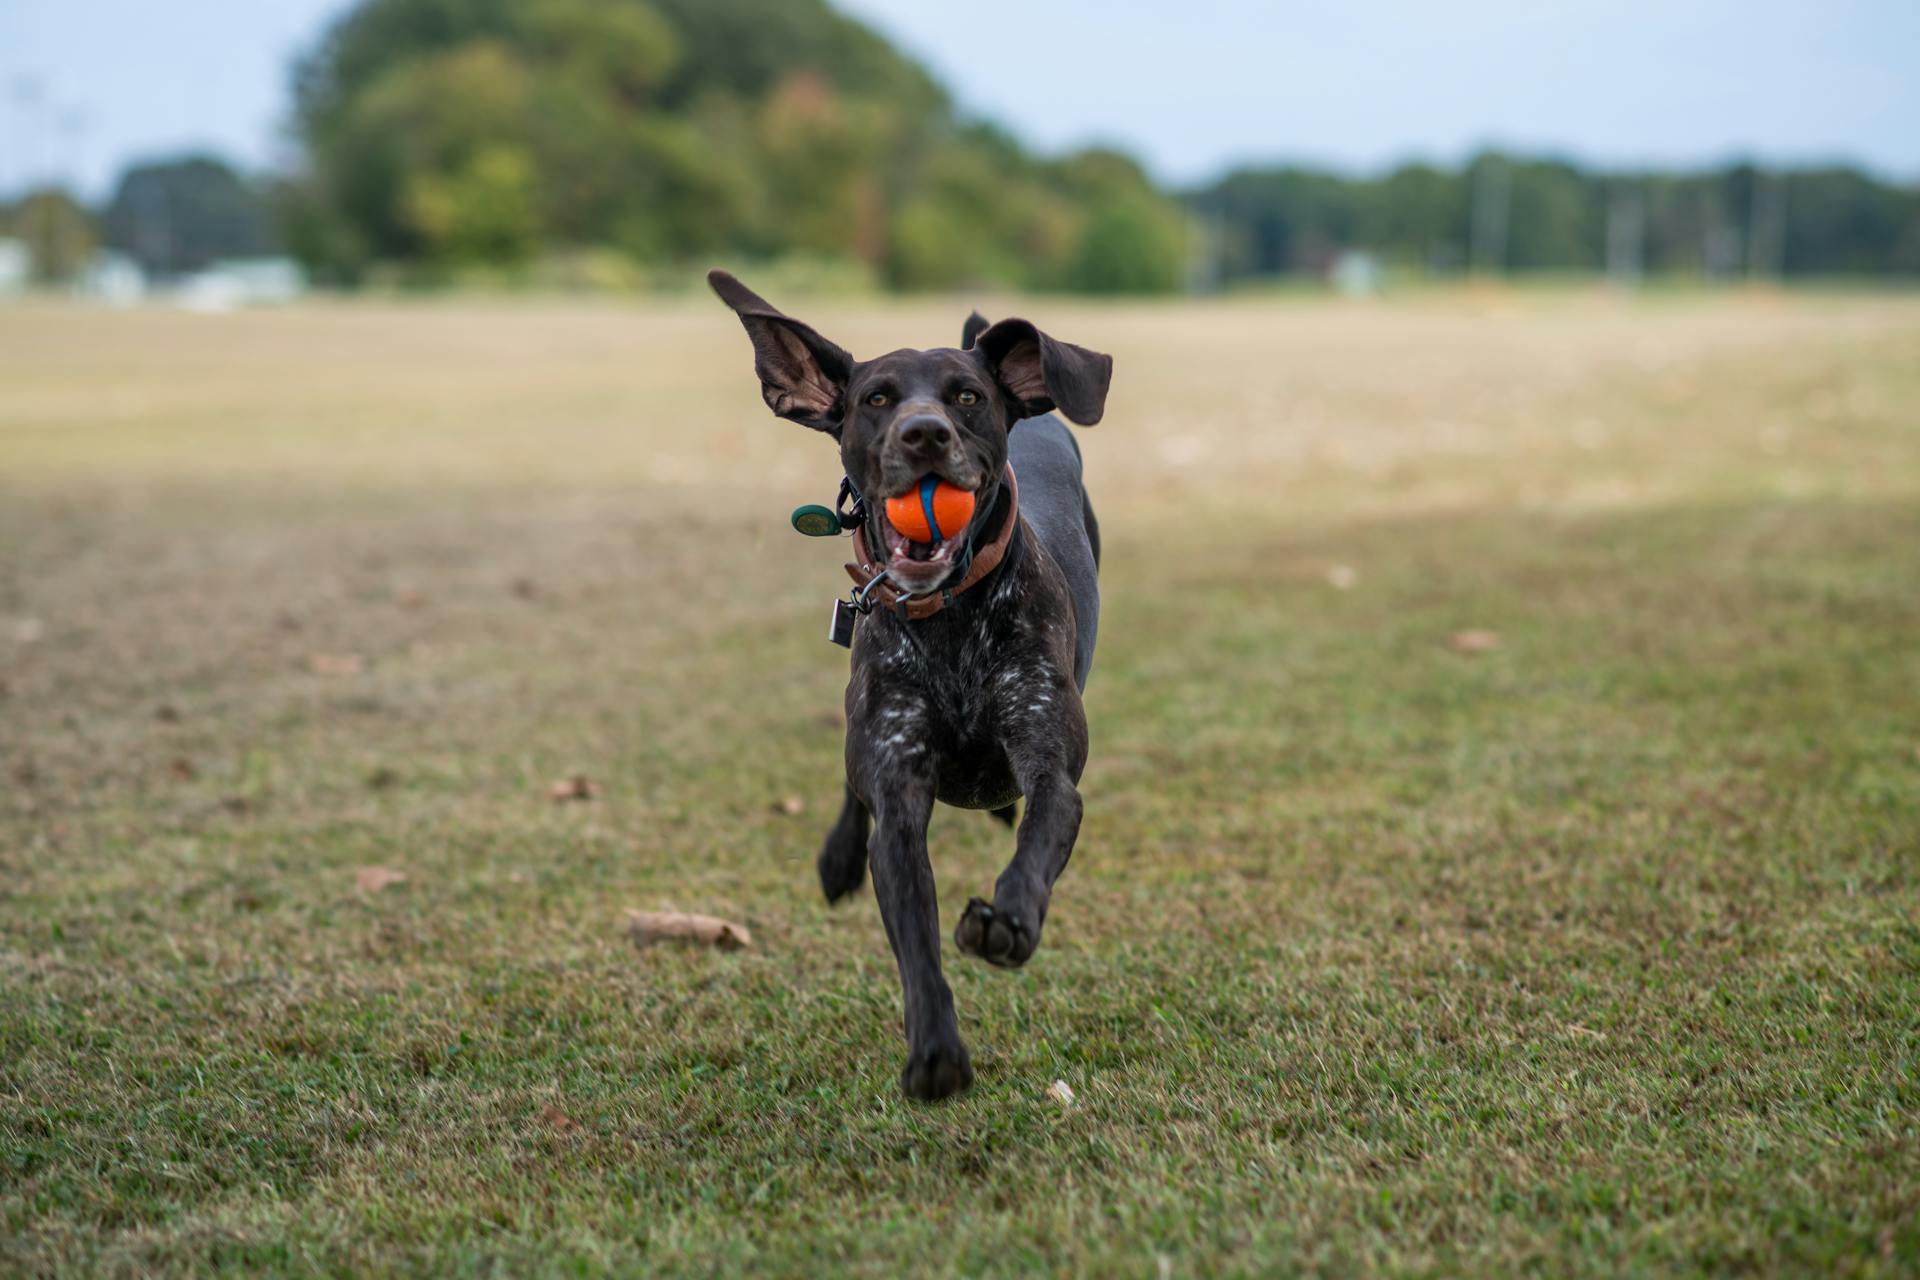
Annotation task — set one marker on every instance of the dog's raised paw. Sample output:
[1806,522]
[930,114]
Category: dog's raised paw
[998,937]
[937,1072]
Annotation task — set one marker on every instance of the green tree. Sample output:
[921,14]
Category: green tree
[489,131]
[482,212]
[179,215]
[58,233]
[1555,218]
[1129,246]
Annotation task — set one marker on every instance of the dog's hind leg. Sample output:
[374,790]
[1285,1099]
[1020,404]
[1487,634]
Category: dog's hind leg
[842,863]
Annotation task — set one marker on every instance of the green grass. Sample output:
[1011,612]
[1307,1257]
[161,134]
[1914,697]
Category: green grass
[1596,952]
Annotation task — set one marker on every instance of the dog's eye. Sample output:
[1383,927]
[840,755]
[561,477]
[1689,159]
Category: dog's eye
[967,398]
[878,399]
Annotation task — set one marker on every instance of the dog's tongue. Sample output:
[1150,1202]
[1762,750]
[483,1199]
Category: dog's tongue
[917,566]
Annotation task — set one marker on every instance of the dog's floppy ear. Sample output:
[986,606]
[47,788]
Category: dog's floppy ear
[803,377]
[1041,373]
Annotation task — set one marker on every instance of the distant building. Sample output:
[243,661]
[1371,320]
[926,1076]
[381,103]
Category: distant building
[16,267]
[1355,273]
[243,282]
[113,278]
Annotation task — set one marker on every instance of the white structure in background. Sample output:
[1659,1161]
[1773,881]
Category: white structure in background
[243,282]
[113,278]
[1355,273]
[16,267]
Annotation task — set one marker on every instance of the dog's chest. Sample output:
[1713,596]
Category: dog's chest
[951,692]
[959,675]
[964,675]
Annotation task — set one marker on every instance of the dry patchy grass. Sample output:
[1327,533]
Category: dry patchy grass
[1591,950]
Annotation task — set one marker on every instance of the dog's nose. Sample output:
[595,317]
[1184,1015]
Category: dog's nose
[924,434]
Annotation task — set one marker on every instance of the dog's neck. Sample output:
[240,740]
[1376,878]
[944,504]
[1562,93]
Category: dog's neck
[869,573]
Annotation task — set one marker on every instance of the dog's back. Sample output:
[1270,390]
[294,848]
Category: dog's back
[1053,499]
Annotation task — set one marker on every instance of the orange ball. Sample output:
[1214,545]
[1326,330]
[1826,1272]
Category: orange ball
[933,512]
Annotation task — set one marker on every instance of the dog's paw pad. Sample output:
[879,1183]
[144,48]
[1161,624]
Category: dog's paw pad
[995,936]
[935,1073]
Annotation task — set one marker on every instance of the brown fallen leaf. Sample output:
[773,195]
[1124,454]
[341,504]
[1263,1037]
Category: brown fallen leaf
[336,664]
[374,879]
[578,787]
[1474,641]
[792,806]
[182,768]
[557,1120]
[649,927]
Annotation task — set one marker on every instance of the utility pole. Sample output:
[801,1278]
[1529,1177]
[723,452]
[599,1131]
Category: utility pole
[153,226]
[1492,196]
[1626,231]
[72,127]
[24,97]
[10,181]
[1767,226]
[27,98]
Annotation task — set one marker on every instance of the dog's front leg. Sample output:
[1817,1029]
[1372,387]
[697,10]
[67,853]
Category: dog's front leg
[1046,742]
[900,795]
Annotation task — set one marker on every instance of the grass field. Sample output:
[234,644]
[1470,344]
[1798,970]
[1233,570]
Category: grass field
[1592,948]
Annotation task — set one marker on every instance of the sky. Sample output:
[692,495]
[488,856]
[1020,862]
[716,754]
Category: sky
[88,85]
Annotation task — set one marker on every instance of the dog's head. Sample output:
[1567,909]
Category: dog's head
[911,414]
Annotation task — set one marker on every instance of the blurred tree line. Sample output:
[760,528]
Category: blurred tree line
[459,134]
[616,143]
[1499,213]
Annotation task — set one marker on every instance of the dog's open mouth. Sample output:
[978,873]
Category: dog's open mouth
[920,567]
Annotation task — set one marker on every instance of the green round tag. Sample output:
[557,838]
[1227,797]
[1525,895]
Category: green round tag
[816,521]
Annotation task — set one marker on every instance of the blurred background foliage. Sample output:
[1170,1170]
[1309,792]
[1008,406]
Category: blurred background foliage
[617,144]
[452,134]
[1554,216]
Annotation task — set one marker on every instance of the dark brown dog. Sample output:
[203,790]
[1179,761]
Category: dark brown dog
[967,677]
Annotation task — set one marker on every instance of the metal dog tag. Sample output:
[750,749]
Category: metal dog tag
[840,630]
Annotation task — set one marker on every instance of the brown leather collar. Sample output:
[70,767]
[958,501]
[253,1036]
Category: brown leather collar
[866,569]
